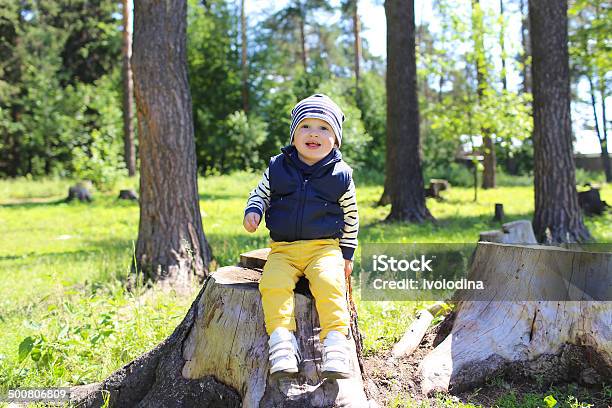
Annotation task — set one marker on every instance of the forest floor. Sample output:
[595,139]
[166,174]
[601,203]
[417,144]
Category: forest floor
[66,317]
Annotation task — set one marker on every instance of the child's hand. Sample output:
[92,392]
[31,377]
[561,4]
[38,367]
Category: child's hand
[348,268]
[251,221]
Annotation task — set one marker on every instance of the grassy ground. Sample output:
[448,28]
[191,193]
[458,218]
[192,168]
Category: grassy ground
[65,317]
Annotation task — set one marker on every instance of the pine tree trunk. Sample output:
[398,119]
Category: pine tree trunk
[357,42]
[404,178]
[526,43]
[244,63]
[218,356]
[489,161]
[502,45]
[557,215]
[129,149]
[304,53]
[604,141]
[171,243]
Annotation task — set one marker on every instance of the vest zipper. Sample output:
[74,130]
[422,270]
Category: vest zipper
[300,219]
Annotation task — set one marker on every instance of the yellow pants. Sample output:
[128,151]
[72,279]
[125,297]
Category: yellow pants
[321,261]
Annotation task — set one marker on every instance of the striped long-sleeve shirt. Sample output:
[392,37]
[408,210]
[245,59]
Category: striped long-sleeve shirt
[259,202]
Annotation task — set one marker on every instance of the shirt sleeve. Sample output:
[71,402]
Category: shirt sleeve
[348,241]
[259,198]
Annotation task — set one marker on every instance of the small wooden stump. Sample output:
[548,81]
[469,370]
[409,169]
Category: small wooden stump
[80,191]
[128,195]
[435,187]
[499,212]
[591,203]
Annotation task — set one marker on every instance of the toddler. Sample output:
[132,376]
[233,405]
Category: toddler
[308,197]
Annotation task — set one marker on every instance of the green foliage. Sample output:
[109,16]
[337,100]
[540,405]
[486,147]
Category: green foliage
[239,149]
[59,100]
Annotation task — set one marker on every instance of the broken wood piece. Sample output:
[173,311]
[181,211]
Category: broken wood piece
[416,331]
[255,259]
[515,232]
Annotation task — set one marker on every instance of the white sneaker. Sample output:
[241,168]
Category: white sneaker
[284,353]
[336,356]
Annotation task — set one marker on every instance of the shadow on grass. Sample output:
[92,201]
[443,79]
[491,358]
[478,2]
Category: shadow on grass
[31,203]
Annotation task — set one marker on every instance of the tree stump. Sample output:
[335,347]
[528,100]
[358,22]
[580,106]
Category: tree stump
[515,232]
[499,212]
[218,356]
[435,187]
[128,195]
[591,203]
[508,330]
[80,191]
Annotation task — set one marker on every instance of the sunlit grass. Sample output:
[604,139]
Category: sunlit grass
[64,265]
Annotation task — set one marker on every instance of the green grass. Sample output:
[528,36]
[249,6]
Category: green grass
[64,267]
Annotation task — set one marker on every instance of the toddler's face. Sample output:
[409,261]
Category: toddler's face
[313,139]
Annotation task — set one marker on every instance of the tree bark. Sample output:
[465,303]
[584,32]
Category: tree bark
[604,141]
[489,161]
[218,356]
[129,149]
[518,328]
[557,215]
[404,178]
[357,42]
[502,45]
[526,43]
[244,63]
[602,136]
[171,243]
[304,53]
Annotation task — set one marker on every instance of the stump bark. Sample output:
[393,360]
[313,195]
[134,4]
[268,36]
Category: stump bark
[509,330]
[81,192]
[218,356]
[591,203]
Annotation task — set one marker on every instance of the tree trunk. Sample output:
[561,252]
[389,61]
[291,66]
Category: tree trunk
[526,43]
[521,328]
[602,137]
[171,243]
[129,150]
[245,67]
[357,42]
[304,53]
[604,142]
[489,161]
[404,178]
[218,356]
[502,45]
[557,215]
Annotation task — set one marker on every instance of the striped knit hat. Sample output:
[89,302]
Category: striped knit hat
[318,106]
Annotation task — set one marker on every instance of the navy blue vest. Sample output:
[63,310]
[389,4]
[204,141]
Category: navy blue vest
[304,199]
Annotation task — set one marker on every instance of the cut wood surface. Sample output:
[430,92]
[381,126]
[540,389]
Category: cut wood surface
[218,356]
[508,328]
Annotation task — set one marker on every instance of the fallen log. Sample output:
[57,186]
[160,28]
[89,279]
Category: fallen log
[416,331]
[517,326]
[218,356]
